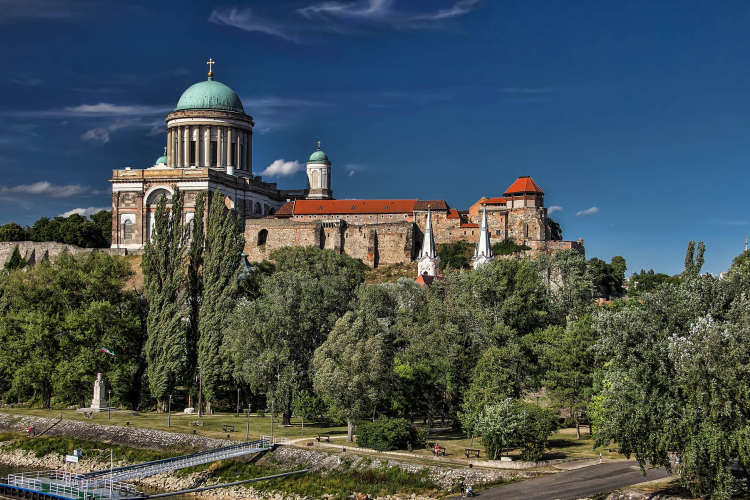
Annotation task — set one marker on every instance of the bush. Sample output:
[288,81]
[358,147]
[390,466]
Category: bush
[389,434]
[455,255]
[508,247]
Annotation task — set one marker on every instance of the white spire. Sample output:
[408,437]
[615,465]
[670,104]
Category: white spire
[483,253]
[428,261]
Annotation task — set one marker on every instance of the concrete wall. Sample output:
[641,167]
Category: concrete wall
[35,251]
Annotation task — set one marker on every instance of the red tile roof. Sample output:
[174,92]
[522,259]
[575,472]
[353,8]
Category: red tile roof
[433,204]
[311,207]
[494,201]
[423,279]
[453,214]
[469,225]
[524,184]
[287,210]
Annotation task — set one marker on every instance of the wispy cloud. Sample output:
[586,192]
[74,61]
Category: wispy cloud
[553,209]
[588,211]
[281,168]
[45,188]
[340,17]
[85,212]
[101,135]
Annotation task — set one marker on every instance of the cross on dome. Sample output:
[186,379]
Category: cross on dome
[210,63]
[318,145]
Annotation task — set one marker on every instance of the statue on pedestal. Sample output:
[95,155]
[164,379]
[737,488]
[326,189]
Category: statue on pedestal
[98,403]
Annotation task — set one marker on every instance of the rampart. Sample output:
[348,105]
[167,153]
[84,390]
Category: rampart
[37,251]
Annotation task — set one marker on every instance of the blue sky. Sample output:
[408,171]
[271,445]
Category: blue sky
[632,116]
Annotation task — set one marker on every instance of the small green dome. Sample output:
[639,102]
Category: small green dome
[210,95]
[162,160]
[319,157]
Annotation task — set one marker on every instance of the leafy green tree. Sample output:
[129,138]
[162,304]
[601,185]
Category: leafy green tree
[569,363]
[607,280]
[195,285]
[694,258]
[45,229]
[648,281]
[618,266]
[103,222]
[500,426]
[555,231]
[538,424]
[223,246]
[320,263]
[494,378]
[508,247]
[12,232]
[164,280]
[15,261]
[455,255]
[354,366]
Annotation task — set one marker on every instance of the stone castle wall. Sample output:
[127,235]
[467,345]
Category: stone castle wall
[36,251]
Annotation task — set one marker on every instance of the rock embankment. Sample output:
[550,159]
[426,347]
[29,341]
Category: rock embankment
[134,437]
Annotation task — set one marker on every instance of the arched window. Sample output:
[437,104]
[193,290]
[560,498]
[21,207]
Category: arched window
[156,195]
[257,209]
[262,237]
[272,211]
[315,184]
[127,229]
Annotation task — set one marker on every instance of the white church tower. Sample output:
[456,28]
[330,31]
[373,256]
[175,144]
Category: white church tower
[319,176]
[428,261]
[483,253]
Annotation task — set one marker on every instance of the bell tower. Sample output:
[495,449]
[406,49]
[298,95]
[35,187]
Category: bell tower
[319,176]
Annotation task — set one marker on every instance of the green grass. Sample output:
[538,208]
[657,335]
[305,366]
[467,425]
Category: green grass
[212,424]
[338,484]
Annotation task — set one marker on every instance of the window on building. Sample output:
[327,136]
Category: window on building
[262,237]
[239,160]
[214,153]
[128,230]
[233,154]
[315,181]
[192,153]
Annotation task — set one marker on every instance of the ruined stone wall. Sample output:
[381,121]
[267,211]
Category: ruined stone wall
[36,251]
[278,233]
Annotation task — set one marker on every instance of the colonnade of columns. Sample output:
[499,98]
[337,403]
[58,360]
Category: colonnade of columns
[234,145]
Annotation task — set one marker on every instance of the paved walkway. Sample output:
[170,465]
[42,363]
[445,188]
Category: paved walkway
[577,483]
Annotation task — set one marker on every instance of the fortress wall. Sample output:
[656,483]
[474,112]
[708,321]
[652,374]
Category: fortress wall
[36,251]
[280,233]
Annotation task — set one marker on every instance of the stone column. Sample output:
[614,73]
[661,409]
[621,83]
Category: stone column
[249,152]
[188,138]
[239,148]
[178,155]
[229,147]
[207,146]
[170,146]
[220,145]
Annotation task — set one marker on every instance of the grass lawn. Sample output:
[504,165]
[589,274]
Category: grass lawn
[213,425]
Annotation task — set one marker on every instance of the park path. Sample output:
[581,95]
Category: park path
[576,483]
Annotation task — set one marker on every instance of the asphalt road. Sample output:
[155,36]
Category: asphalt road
[571,484]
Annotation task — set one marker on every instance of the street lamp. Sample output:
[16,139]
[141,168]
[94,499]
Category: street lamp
[247,433]
[109,404]
[238,402]
[169,412]
[200,392]
[272,423]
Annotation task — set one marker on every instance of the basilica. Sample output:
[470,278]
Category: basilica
[209,148]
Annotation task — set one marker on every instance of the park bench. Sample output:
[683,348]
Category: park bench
[437,450]
[326,436]
[196,423]
[471,451]
[228,428]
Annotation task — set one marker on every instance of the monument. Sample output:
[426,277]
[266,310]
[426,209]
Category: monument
[99,394]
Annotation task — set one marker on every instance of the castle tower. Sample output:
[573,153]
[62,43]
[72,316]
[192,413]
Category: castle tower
[319,176]
[483,253]
[428,261]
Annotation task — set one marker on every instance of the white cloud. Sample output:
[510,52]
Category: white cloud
[553,209]
[85,212]
[45,188]
[351,172]
[247,21]
[588,211]
[101,134]
[339,17]
[281,168]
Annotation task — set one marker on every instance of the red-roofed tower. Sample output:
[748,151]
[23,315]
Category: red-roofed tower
[524,193]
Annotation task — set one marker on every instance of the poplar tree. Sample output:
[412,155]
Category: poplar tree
[195,283]
[164,280]
[221,264]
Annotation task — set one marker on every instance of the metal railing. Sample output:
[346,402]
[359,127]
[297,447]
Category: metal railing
[70,485]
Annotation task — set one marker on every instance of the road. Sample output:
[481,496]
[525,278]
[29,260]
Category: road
[577,483]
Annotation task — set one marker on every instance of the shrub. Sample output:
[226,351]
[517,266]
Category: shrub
[508,247]
[455,255]
[389,434]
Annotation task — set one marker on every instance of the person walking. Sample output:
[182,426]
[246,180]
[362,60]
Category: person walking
[462,485]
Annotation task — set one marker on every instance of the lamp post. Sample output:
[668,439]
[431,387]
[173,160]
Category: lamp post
[238,402]
[271,422]
[200,392]
[247,433]
[109,403]
[169,412]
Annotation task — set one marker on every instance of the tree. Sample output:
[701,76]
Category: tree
[508,247]
[320,263]
[223,246]
[694,258]
[569,362]
[538,424]
[555,231]
[164,279]
[354,366]
[103,222]
[195,285]
[618,266]
[455,255]
[494,378]
[16,261]
[500,426]
[12,232]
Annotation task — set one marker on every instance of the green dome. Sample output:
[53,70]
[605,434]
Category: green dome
[210,95]
[319,157]
[162,160]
